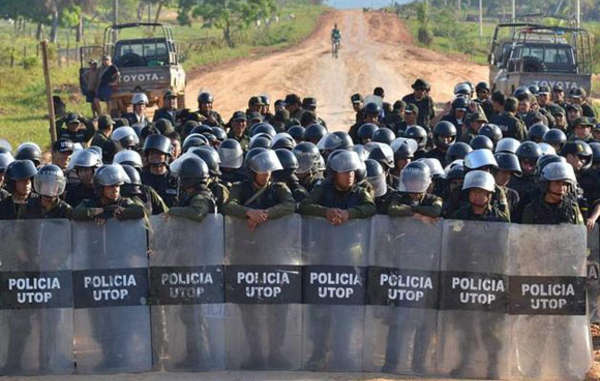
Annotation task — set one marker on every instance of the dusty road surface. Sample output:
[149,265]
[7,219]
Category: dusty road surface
[377,50]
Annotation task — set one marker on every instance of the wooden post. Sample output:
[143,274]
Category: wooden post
[51,115]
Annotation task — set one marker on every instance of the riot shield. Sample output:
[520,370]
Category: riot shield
[593,274]
[474,297]
[334,284]
[187,293]
[110,282]
[263,293]
[36,303]
[550,329]
[401,315]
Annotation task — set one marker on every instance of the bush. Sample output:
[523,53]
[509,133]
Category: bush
[30,62]
[425,36]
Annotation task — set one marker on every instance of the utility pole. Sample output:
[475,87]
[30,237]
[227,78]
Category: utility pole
[514,11]
[115,19]
[480,19]
[49,100]
[578,13]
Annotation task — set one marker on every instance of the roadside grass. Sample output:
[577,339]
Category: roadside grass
[23,109]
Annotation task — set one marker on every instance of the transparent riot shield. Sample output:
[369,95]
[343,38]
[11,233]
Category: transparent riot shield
[550,329]
[187,293]
[110,282]
[36,297]
[263,292]
[473,319]
[593,274]
[401,316]
[334,287]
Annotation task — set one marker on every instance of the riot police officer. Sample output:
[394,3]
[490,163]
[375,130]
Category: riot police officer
[5,159]
[49,183]
[18,182]
[287,175]
[309,172]
[412,198]
[444,134]
[83,164]
[260,199]
[423,101]
[157,150]
[206,112]
[108,202]
[553,206]
[480,187]
[145,194]
[340,197]
[196,200]
[232,158]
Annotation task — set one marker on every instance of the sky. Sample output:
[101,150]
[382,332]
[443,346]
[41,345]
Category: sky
[346,4]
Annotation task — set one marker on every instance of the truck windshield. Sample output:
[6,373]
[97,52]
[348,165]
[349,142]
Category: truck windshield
[141,53]
[548,55]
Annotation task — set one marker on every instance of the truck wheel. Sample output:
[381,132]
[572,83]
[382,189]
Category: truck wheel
[181,101]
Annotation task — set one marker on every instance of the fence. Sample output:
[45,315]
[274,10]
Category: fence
[458,298]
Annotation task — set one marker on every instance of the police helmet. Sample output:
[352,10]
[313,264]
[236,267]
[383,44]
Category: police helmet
[210,157]
[480,158]
[307,154]
[205,97]
[460,104]
[479,179]
[29,151]
[126,137]
[219,133]
[128,157]
[110,175]
[231,154]
[492,131]
[5,159]
[415,178]
[263,127]
[297,132]
[537,131]
[133,174]
[510,145]
[49,181]
[283,140]
[85,158]
[376,177]
[455,171]
[559,172]
[384,135]
[192,171]
[372,108]
[418,134]
[314,133]
[287,159]
[482,86]
[547,149]
[20,170]
[158,143]
[555,137]
[482,142]
[529,150]
[262,140]
[544,160]
[404,151]
[366,131]
[344,161]
[435,167]
[457,150]
[266,161]
[508,162]
[194,140]
[382,153]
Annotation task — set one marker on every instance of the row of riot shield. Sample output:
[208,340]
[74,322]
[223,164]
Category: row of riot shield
[455,298]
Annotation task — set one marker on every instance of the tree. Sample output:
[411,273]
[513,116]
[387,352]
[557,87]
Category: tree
[226,15]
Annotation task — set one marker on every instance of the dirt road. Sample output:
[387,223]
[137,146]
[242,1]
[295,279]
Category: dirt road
[377,50]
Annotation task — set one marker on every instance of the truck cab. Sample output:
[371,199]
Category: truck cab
[150,64]
[540,55]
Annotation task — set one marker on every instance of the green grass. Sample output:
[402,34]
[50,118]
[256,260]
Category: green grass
[465,41]
[23,107]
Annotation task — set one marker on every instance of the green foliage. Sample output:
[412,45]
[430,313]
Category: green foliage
[227,15]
